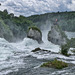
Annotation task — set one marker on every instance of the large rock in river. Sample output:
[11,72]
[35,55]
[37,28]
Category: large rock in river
[35,33]
[57,36]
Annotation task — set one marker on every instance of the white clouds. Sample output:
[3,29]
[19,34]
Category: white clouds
[72,6]
[30,7]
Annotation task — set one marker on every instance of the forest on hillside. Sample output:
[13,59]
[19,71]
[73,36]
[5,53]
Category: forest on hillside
[65,19]
[12,26]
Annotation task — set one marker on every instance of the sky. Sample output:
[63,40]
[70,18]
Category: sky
[32,7]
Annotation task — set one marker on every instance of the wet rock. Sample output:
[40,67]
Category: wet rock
[37,49]
[40,50]
[57,36]
[35,33]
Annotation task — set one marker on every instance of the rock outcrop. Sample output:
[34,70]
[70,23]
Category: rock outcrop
[57,36]
[35,33]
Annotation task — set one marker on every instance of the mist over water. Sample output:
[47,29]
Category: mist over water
[12,54]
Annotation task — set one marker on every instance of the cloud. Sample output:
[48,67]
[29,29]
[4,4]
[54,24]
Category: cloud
[72,5]
[31,7]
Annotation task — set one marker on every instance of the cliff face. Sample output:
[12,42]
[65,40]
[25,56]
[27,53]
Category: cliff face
[57,36]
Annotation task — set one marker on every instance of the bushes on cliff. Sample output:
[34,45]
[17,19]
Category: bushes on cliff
[64,49]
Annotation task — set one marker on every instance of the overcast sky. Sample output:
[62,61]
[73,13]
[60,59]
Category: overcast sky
[31,7]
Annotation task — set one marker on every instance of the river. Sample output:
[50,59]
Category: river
[17,58]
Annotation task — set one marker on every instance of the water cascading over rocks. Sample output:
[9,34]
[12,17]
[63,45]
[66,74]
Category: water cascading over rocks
[35,34]
[56,35]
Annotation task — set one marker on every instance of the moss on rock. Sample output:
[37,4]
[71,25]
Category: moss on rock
[34,28]
[35,34]
[55,64]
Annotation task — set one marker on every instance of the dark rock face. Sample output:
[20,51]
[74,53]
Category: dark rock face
[41,50]
[35,50]
[57,36]
[34,34]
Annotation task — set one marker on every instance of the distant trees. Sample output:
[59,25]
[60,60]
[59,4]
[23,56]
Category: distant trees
[65,19]
[5,11]
[11,15]
[20,21]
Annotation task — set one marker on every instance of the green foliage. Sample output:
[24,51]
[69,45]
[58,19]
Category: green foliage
[64,49]
[55,64]
[5,11]
[4,25]
[65,19]
[15,25]
[22,21]
[5,31]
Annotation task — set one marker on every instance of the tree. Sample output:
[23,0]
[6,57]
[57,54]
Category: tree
[5,11]
[64,49]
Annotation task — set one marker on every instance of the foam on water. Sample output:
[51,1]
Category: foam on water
[70,34]
[11,54]
[8,60]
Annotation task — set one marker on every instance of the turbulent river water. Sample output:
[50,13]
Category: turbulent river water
[17,58]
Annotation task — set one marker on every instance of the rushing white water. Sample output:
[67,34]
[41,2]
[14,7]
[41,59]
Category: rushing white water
[11,54]
[70,34]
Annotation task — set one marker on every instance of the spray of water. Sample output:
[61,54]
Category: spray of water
[10,53]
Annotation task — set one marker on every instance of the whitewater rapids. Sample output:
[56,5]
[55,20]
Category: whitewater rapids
[12,54]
